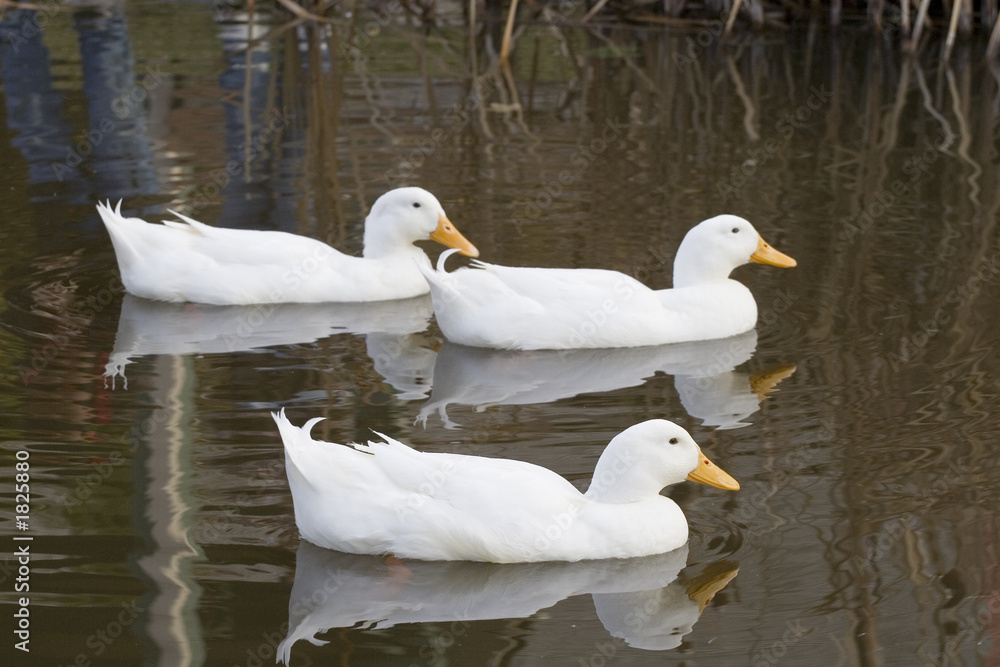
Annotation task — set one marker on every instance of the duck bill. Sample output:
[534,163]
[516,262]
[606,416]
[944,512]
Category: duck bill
[447,235]
[765,254]
[711,474]
[764,383]
[702,588]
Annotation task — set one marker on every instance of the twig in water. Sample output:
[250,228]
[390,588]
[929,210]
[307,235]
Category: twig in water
[731,18]
[593,10]
[918,27]
[507,32]
[994,46]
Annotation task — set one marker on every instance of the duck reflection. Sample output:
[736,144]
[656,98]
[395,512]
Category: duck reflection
[704,372]
[709,387]
[637,599]
[152,327]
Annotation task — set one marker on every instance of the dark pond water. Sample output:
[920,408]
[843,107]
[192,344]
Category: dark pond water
[861,416]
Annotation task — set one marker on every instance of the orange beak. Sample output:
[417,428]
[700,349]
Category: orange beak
[447,235]
[711,474]
[765,254]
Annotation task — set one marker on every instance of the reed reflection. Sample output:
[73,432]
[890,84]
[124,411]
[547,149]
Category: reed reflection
[881,169]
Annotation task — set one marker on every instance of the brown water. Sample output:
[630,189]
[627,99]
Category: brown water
[161,522]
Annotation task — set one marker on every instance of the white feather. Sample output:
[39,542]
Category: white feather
[385,497]
[186,260]
[536,308]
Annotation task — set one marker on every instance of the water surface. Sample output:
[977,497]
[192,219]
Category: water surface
[860,416]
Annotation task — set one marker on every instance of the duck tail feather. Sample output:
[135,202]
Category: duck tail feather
[485,266]
[443,257]
[188,224]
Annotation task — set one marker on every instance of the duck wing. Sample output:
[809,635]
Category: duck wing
[459,507]
[385,497]
[186,260]
[552,287]
[533,308]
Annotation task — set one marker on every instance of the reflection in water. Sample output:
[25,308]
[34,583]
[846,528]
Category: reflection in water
[252,127]
[867,511]
[709,387]
[722,400]
[112,158]
[170,611]
[120,154]
[34,106]
[636,599]
[152,327]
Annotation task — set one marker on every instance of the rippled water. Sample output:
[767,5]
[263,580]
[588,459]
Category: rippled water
[860,417]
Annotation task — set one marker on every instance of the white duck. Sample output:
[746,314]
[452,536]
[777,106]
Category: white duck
[380,498]
[190,261]
[556,309]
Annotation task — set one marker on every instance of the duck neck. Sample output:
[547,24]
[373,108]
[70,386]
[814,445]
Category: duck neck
[694,267]
[621,477]
[384,238]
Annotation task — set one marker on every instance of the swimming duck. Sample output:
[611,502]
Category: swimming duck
[556,309]
[386,498]
[186,260]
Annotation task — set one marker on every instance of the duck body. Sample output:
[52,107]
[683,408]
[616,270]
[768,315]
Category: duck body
[385,497]
[187,261]
[536,308]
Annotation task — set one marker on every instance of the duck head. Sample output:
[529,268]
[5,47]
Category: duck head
[404,215]
[713,248]
[644,458]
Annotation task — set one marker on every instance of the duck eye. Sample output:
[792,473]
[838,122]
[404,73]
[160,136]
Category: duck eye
[416,204]
[736,230]
[673,441]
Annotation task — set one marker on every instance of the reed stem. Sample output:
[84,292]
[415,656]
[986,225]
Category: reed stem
[508,32]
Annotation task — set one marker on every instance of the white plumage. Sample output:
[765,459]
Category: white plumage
[384,497]
[185,260]
[537,309]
